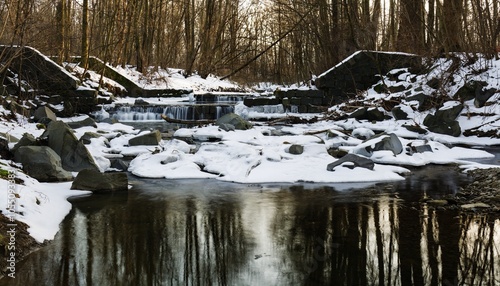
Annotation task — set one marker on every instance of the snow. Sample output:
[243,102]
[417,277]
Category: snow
[260,154]
[42,206]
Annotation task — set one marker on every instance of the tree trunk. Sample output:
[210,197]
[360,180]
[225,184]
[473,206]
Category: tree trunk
[85,34]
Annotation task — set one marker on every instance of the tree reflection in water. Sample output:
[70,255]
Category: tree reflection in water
[274,235]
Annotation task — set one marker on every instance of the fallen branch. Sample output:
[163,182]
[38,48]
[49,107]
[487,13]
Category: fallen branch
[187,122]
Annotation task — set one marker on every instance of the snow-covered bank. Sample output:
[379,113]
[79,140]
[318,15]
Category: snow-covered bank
[42,206]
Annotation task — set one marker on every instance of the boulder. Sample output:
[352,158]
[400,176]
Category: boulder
[5,152]
[399,114]
[482,96]
[26,140]
[87,122]
[74,155]
[391,143]
[371,114]
[42,163]
[356,160]
[227,127]
[149,139]
[443,121]
[42,112]
[296,149]
[422,99]
[469,90]
[381,142]
[235,120]
[141,101]
[87,136]
[119,164]
[93,180]
[420,149]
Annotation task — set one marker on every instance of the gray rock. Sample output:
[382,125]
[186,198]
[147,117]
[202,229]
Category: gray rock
[391,143]
[109,120]
[149,139]
[357,161]
[5,152]
[371,114]
[443,121]
[235,120]
[87,122]
[381,142]
[482,96]
[296,149]
[449,114]
[42,112]
[26,140]
[93,180]
[227,127]
[421,149]
[74,155]
[422,100]
[119,164]
[140,101]
[42,163]
[399,114]
[87,136]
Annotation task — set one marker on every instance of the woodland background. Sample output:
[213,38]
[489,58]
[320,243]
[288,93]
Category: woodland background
[271,40]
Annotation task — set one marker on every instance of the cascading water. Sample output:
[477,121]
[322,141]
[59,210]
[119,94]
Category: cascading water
[153,113]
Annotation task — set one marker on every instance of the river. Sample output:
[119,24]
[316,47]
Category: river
[206,232]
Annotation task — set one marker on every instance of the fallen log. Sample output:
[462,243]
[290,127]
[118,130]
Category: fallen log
[187,122]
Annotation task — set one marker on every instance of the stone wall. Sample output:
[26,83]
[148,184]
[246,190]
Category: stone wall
[133,89]
[357,73]
[360,71]
[45,77]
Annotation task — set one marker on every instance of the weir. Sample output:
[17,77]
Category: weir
[153,113]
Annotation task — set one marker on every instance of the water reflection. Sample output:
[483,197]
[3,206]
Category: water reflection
[212,233]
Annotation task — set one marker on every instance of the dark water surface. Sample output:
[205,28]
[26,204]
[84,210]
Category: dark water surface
[204,232]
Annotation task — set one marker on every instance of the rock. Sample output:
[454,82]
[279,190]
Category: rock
[149,139]
[370,114]
[399,114]
[26,140]
[42,112]
[469,90]
[434,83]
[119,164]
[87,136]
[93,180]
[227,127]
[420,149]
[381,142]
[415,128]
[235,120]
[363,133]
[449,114]
[482,96]
[337,153]
[5,152]
[397,88]
[74,155]
[443,121]
[42,163]
[296,149]
[109,120]
[358,161]
[141,101]
[87,122]
[422,99]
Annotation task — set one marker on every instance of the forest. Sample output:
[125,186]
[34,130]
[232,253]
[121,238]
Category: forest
[280,41]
